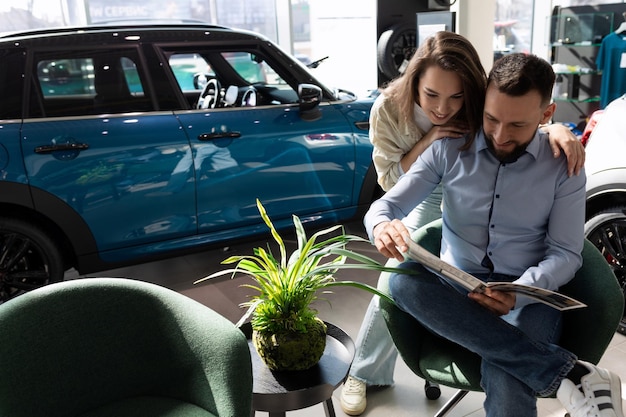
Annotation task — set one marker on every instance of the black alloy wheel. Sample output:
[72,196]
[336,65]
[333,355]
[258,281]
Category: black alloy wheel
[29,259]
[607,231]
[395,48]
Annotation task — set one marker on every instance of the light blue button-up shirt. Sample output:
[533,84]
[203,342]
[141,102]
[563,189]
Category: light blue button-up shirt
[527,217]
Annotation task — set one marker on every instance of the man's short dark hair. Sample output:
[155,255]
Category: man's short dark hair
[517,74]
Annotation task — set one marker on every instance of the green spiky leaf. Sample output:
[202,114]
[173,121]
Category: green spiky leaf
[285,287]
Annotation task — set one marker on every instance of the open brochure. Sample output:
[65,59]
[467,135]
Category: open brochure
[469,281]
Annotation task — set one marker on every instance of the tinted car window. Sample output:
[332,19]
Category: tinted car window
[11,83]
[91,82]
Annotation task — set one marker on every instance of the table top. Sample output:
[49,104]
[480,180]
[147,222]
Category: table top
[292,390]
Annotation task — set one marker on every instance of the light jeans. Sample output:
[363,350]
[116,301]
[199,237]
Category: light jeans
[375,356]
[519,357]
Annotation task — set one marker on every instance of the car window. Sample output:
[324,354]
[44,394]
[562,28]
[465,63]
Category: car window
[87,83]
[228,78]
[187,66]
[248,66]
[11,83]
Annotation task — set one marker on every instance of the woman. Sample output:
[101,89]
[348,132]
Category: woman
[440,94]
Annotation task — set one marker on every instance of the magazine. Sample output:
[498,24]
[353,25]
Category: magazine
[469,281]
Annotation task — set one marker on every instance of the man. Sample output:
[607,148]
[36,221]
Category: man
[511,212]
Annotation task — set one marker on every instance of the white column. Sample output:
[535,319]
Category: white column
[476,23]
[542,10]
[283,25]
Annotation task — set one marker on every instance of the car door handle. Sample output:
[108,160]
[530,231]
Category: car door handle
[68,146]
[362,125]
[219,135]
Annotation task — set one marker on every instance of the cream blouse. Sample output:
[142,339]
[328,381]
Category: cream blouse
[392,138]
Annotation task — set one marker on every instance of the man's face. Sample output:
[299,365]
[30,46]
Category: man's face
[510,122]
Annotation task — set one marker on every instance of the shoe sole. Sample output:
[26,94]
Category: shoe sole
[356,411]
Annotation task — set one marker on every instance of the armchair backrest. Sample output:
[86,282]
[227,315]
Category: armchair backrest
[71,347]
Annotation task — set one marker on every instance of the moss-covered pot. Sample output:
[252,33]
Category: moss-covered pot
[291,351]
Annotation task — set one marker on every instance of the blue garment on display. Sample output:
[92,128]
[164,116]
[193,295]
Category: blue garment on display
[612,61]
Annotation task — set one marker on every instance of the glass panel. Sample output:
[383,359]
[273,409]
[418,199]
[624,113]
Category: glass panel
[582,29]
[512,27]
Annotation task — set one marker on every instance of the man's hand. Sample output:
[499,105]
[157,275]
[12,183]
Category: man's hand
[389,237]
[499,302]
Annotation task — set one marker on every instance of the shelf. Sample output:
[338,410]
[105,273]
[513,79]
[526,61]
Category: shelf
[577,100]
[574,45]
[594,72]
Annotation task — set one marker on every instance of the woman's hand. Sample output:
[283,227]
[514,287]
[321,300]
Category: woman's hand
[452,129]
[562,138]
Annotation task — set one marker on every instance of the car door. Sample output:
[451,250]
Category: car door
[93,141]
[251,142]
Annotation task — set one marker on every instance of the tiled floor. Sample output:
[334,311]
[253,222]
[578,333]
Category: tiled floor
[345,308]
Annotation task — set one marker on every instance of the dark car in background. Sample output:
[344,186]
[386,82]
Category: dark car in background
[605,167]
[124,144]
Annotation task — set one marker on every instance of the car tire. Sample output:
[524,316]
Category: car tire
[29,259]
[395,48]
[607,231]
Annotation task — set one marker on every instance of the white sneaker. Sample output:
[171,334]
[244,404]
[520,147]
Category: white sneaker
[353,397]
[599,395]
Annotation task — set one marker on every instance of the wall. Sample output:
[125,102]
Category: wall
[345,31]
[476,24]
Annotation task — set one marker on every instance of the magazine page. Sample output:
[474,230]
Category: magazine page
[471,283]
[554,299]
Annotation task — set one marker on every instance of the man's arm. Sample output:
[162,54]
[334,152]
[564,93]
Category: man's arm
[412,188]
[564,239]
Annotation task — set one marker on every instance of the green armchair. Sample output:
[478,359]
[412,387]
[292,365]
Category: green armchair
[587,332]
[100,347]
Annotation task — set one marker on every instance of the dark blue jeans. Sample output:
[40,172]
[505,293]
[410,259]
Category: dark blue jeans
[520,357]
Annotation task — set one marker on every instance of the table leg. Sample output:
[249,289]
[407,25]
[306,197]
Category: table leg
[328,408]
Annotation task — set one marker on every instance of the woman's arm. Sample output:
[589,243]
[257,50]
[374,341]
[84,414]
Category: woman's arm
[452,129]
[562,138]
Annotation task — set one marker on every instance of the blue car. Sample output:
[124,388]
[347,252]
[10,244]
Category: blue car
[125,144]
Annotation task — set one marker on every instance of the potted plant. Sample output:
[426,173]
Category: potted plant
[287,333]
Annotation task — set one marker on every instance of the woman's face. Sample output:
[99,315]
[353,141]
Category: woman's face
[440,94]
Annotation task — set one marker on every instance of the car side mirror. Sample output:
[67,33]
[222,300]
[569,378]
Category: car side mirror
[310,96]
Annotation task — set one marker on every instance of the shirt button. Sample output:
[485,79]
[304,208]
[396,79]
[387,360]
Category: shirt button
[497,195]
[490,253]
[492,226]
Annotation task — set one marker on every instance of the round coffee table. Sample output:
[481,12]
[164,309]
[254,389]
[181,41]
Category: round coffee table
[279,392]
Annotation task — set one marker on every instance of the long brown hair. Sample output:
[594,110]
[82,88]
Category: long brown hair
[451,52]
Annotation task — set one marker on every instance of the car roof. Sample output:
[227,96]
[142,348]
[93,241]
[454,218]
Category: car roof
[150,30]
